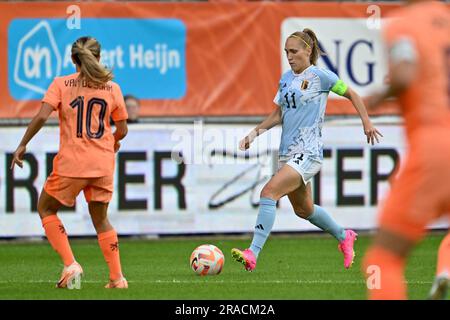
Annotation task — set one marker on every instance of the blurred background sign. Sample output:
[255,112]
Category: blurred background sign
[146,55]
[187,59]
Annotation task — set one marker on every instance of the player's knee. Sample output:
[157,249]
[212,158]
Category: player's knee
[100,224]
[269,192]
[44,209]
[43,213]
[393,242]
[303,209]
[99,220]
[303,213]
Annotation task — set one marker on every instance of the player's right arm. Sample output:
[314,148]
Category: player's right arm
[33,128]
[271,121]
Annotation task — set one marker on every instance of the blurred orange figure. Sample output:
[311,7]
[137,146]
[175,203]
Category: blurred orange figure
[418,41]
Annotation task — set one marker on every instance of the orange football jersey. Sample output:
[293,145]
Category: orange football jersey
[425,104]
[86,146]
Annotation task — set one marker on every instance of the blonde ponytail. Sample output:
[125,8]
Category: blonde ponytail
[86,53]
[309,39]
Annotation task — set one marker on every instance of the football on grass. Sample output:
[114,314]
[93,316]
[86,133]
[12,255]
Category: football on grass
[207,259]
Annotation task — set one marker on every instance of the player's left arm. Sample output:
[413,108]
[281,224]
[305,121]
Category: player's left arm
[403,59]
[119,115]
[369,129]
[120,133]
[35,125]
[401,75]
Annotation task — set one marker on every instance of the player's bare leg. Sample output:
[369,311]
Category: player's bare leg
[99,216]
[47,205]
[286,180]
[303,205]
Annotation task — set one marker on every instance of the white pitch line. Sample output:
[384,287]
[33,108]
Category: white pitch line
[220,282]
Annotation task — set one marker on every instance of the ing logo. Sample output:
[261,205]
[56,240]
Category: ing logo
[33,58]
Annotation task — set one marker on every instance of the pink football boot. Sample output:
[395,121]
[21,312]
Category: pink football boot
[246,257]
[346,247]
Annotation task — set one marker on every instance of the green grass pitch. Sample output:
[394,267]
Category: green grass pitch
[290,267]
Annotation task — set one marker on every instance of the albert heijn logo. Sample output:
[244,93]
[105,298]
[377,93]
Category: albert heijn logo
[150,67]
[34,59]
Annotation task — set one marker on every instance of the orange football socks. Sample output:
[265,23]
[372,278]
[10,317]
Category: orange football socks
[109,244]
[384,271]
[57,236]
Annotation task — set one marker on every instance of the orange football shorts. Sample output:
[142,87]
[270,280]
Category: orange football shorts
[66,189]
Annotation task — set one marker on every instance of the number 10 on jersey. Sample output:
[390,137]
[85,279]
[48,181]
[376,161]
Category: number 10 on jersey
[79,104]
